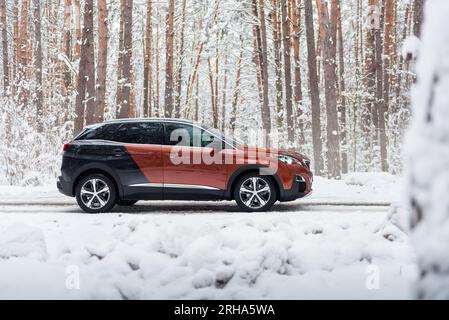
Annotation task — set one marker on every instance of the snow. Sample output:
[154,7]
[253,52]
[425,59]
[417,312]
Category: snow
[203,255]
[428,155]
[359,187]
[21,240]
[411,47]
[207,250]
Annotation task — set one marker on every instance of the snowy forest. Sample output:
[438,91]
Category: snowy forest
[330,78]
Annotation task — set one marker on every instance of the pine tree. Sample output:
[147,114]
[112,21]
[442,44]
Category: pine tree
[313,87]
[169,103]
[100,99]
[85,100]
[4,35]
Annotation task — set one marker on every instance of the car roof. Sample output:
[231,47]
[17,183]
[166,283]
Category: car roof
[152,120]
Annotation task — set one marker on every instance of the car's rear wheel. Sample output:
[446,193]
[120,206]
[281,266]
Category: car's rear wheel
[96,193]
[126,202]
[255,192]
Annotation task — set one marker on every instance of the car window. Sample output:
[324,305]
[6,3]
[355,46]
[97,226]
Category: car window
[104,132]
[187,135]
[178,134]
[138,133]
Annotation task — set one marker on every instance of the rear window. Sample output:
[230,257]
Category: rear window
[104,132]
[133,132]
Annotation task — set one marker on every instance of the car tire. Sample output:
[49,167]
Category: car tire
[262,199]
[126,203]
[96,193]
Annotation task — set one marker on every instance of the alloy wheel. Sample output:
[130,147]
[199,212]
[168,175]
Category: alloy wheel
[95,194]
[255,192]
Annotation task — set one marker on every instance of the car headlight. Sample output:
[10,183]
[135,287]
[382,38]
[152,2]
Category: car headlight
[287,159]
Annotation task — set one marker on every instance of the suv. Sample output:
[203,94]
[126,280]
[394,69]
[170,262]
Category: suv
[124,161]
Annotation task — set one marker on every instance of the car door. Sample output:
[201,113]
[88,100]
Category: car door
[193,163]
[141,167]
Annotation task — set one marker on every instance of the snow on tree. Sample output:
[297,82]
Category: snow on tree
[428,155]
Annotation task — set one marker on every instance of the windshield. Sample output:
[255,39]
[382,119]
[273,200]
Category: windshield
[229,139]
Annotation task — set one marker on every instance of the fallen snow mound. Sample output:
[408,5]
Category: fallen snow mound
[320,254]
[20,240]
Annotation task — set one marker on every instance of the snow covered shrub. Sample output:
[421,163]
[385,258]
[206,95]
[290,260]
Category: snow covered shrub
[27,156]
[428,155]
[395,225]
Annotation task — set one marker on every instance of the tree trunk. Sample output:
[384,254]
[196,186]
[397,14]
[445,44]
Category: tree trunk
[236,92]
[119,94]
[330,79]
[102,60]
[180,61]
[313,87]
[67,42]
[212,95]
[169,60]
[380,104]
[77,4]
[4,34]
[38,63]
[287,71]
[16,45]
[23,51]
[157,111]
[402,61]
[224,94]
[389,60]
[85,103]
[370,121]
[24,41]
[276,26]
[147,69]
[296,10]
[126,79]
[193,76]
[342,84]
[418,8]
[261,38]
[258,64]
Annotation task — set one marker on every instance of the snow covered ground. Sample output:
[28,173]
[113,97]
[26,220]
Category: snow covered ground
[201,250]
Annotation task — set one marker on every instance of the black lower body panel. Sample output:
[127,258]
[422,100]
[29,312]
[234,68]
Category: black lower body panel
[298,190]
[193,194]
[64,187]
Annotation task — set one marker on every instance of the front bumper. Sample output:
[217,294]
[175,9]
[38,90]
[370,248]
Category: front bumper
[301,187]
[64,187]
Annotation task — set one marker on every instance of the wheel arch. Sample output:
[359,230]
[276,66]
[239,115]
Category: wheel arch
[249,169]
[98,169]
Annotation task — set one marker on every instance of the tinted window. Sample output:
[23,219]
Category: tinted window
[139,133]
[188,135]
[104,132]
[178,134]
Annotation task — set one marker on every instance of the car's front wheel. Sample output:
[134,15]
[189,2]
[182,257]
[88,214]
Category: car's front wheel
[96,193]
[255,192]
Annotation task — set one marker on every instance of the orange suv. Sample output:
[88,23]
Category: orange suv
[124,161]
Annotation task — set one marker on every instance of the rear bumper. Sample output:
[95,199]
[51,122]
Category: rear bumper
[64,187]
